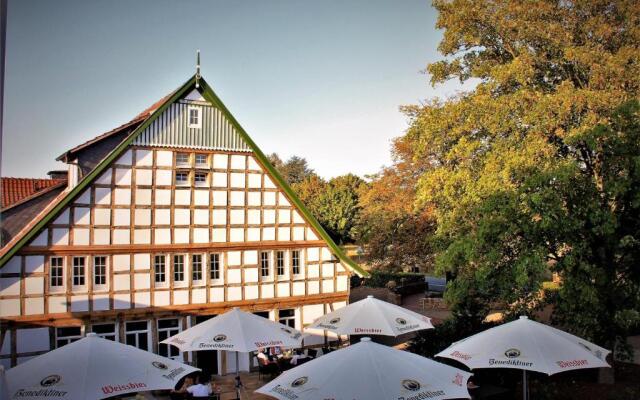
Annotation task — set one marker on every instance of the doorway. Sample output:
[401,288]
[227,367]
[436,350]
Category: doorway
[206,360]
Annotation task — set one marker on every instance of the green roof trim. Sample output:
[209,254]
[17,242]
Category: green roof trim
[210,96]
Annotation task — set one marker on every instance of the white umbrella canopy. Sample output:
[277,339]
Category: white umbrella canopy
[371,316]
[235,330]
[93,368]
[367,370]
[527,345]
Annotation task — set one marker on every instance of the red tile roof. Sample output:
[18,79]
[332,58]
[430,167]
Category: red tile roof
[14,190]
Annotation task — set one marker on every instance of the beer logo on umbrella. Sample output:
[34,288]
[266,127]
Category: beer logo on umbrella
[287,330]
[411,385]
[220,338]
[334,321]
[50,380]
[159,365]
[299,382]
[512,353]
[401,321]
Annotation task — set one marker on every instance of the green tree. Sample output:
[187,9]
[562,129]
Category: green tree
[538,166]
[294,170]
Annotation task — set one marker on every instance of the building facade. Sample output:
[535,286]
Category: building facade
[168,220]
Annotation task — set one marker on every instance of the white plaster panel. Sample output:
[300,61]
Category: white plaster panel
[34,305]
[298,233]
[313,287]
[297,218]
[298,288]
[327,270]
[311,235]
[161,299]
[313,254]
[9,286]
[101,236]
[144,177]
[253,217]
[268,234]
[268,182]
[234,293]
[142,216]
[251,274]
[234,275]
[84,198]
[80,236]
[219,217]
[102,216]
[250,292]
[9,307]
[121,282]
[121,301]
[164,158]
[33,264]
[219,179]
[254,181]
[142,300]
[220,161]
[201,235]
[236,235]
[162,236]
[268,217]
[237,217]
[327,286]
[100,302]
[267,291]
[121,262]
[342,283]
[284,216]
[143,197]
[34,285]
[183,197]
[312,312]
[14,266]
[201,217]
[105,178]
[199,296]
[253,164]
[219,235]
[103,196]
[163,177]
[42,239]
[122,197]
[282,200]
[123,176]
[60,236]
[181,235]
[125,159]
[63,218]
[313,270]
[201,197]
[31,340]
[180,297]
[237,180]
[238,162]
[144,157]
[181,216]
[216,294]
[79,303]
[326,254]
[340,268]
[283,289]
[141,261]
[57,304]
[253,234]
[284,234]
[251,257]
[254,199]
[81,216]
[219,198]
[121,236]
[162,216]
[269,198]
[236,199]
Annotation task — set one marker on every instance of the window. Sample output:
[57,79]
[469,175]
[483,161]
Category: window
[107,331]
[295,261]
[280,263]
[160,269]
[214,266]
[67,335]
[264,264]
[56,272]
[137,334]
[182,178]
[201,160]
[166,329]
[99,271]
[194,117]
[196,267]
[200,179]
[287,317]
[178,268]
[78,271]
[182,160]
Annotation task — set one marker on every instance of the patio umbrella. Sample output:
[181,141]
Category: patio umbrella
[371,316]
[527,345]
[4,390]
[368,370]
[93,368]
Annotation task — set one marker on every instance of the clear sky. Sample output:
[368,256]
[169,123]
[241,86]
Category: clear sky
[318,79]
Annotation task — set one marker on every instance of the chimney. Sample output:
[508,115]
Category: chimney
[58,174]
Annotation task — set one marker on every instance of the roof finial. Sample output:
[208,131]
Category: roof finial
[198,68]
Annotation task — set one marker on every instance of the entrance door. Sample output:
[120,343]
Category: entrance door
[206,360]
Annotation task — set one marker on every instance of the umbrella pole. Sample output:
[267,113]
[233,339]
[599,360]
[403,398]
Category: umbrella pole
[525,385]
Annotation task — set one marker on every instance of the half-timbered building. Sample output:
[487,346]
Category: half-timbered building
[169,219]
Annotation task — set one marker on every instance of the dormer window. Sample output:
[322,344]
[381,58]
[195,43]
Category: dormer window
[182,160]
[194,117]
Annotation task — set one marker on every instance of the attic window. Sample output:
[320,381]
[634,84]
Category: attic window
[182,178]
[194,117]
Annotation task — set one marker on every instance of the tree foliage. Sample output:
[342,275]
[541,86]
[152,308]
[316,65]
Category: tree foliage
[294,170]
[538,167]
